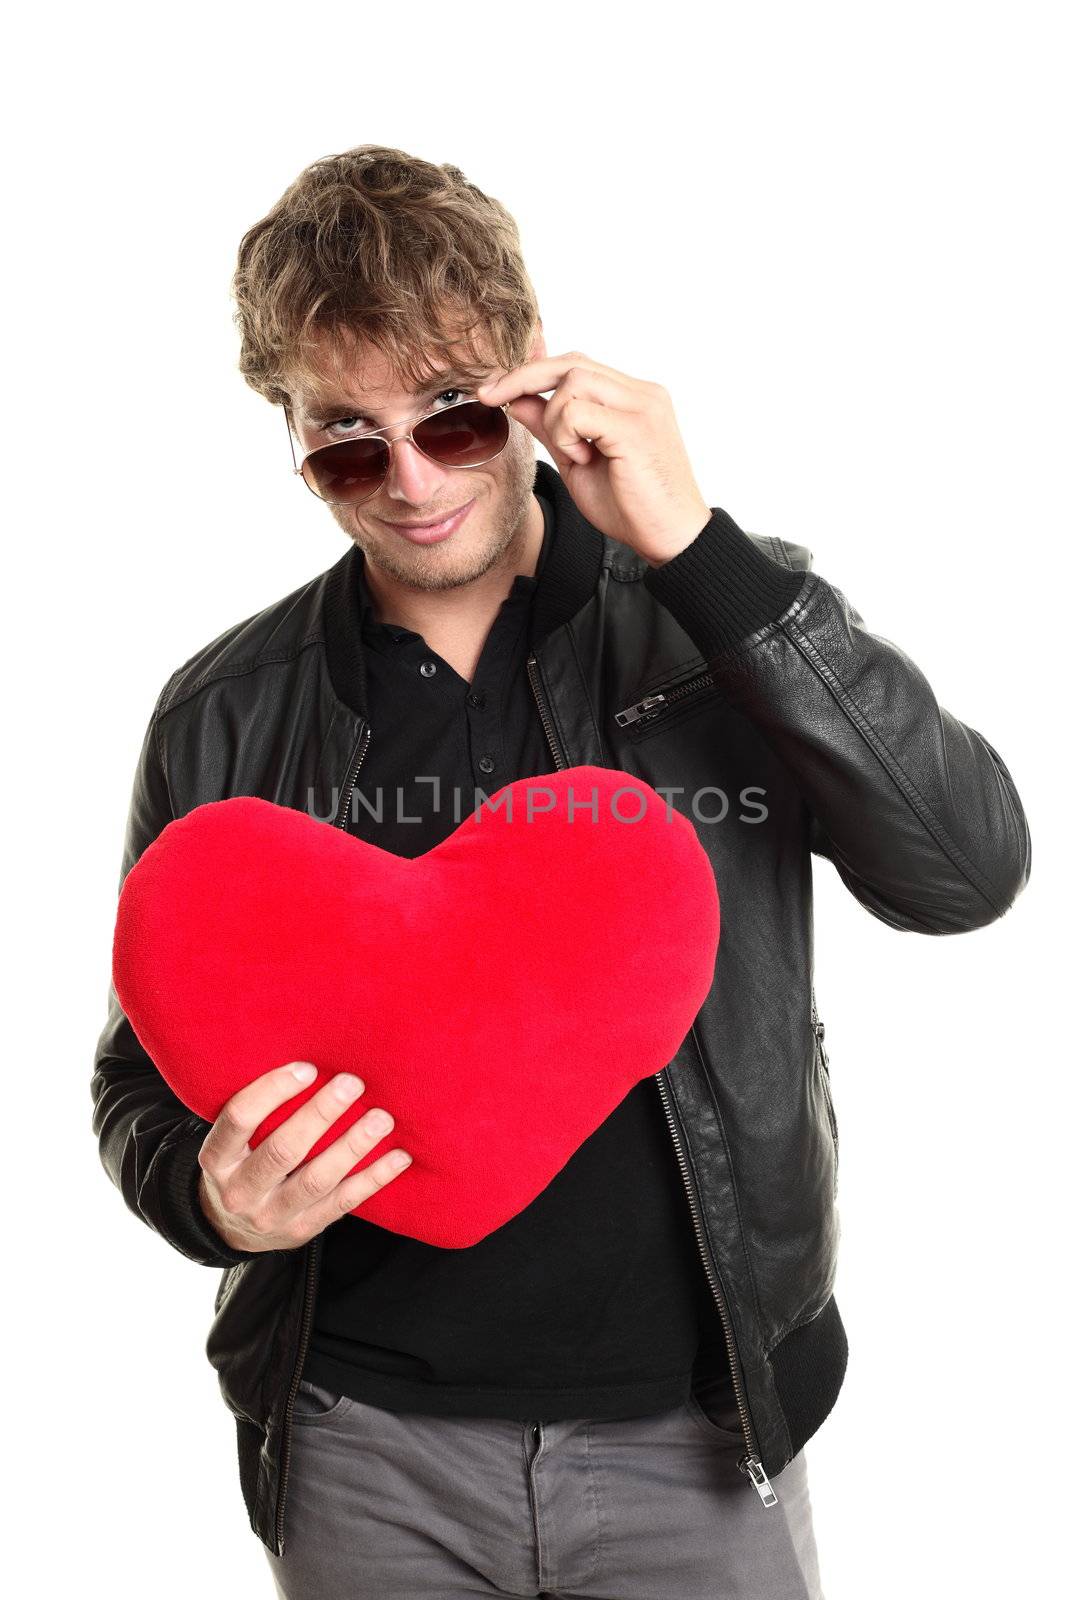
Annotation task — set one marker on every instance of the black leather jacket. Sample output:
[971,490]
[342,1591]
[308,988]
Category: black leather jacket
[804,733]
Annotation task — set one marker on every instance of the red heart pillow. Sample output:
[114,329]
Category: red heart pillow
[499,994]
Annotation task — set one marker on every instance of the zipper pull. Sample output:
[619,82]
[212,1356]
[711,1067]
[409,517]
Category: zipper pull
[632,713]
[760,1481]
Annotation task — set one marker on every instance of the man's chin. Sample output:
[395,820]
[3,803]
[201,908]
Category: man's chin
[430,569]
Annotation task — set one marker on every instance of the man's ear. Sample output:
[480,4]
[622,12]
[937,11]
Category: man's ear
[537,348]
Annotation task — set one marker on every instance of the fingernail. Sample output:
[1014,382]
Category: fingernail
[304,1072]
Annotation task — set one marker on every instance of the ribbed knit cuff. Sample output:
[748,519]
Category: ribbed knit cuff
[722,587]
[181,1219]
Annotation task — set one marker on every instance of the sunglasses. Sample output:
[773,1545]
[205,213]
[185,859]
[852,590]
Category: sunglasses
[351,470]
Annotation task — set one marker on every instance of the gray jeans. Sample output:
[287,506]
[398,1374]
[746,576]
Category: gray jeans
[384,1505]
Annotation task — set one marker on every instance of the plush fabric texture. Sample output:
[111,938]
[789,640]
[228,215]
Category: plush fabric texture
[499,995]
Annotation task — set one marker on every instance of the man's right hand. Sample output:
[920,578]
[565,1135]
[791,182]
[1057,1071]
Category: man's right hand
[254,1198]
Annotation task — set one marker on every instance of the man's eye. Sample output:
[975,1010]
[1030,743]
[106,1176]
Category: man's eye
[345,427]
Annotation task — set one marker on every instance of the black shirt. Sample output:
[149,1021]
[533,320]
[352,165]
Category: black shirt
[592,1301]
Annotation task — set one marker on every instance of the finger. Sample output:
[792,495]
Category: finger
[350,1194]
[287,1145]
[579,420]
[598,383]
[536,377]
[530,412]
[228,1141]
[317,1178]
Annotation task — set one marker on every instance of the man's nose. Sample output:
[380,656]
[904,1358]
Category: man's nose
[412,475]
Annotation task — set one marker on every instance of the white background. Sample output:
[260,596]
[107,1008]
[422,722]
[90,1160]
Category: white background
[835,233]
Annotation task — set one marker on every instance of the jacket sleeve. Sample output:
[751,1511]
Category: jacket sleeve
[149,1141]
[917,811]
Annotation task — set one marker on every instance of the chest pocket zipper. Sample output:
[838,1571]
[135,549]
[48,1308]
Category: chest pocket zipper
[661,703]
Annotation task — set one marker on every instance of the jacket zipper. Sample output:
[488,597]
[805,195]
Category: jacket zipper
[311,1276]
[819,1030]
[349,787]
[750,1463]
[287,1429]
[653,704]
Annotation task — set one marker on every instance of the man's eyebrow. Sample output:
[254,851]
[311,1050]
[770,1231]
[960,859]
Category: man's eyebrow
[326,406]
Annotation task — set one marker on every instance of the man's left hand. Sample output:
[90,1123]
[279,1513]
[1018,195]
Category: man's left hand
[616,443]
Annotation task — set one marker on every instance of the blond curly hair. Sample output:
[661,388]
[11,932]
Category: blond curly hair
[377,246]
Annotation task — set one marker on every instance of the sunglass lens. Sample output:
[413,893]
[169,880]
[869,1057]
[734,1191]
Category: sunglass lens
[350,470]
[463,436]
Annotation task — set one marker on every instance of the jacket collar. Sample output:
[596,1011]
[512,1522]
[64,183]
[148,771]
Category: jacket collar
[569,576]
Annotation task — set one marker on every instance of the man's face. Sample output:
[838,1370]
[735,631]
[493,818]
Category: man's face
[360,399]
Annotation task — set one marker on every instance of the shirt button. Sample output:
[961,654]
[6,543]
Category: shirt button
[475,699]
[428,668]
[487,763]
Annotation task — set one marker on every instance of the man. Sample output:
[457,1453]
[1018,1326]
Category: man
[611,1393]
